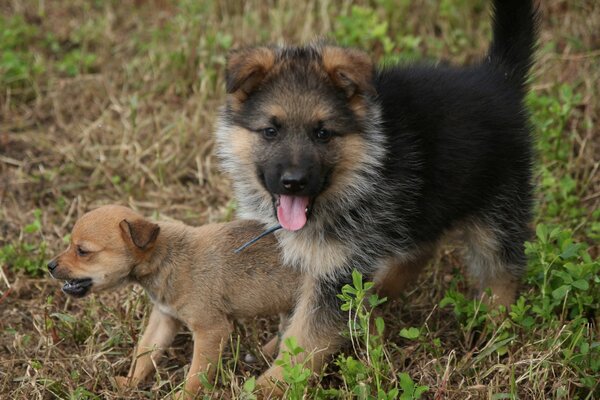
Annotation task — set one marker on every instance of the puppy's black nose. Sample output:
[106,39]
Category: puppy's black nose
[294,181]
[52,265]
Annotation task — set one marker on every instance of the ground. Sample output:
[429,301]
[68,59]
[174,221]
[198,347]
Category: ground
[114,102]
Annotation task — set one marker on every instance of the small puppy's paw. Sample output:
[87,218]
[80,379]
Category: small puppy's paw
[183,395]
[180,395]
[267,388]
[124,382]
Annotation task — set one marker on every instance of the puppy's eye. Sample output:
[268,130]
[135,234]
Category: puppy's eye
[270,133]
[81,252]
[323,135]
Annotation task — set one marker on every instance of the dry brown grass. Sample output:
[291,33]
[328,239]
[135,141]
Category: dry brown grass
[135,127]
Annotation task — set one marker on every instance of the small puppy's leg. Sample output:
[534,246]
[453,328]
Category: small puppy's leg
[392,280]
[208,344]
[159,333]
[496,258]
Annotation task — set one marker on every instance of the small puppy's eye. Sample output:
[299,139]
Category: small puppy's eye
[270,133]
[81,252]
[323,135]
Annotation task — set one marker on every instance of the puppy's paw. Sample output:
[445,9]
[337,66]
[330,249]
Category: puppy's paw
[124,382]
[183,395]
[180,395]
[269,386]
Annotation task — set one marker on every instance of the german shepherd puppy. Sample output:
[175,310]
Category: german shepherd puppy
[367,167]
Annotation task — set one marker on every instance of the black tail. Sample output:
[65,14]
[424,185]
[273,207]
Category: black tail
[515,25]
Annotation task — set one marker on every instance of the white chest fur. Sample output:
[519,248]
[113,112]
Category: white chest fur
[317,257]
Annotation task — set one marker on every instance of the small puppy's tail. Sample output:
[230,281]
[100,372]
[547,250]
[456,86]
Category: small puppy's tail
[515,27]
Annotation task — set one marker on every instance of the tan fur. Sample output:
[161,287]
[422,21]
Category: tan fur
[485,266]
[352,154]
[243,143]
[322,112]
[320,343]
[247,69]
[191,274]
[504,290]
[351,70]
[276,111]
[393,279]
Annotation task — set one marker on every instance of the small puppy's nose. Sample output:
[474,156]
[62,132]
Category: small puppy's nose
[294,180]
[52,265]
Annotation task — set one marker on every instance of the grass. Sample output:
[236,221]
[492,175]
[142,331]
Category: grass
[105,101]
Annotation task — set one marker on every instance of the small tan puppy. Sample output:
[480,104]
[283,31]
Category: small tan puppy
[191,274]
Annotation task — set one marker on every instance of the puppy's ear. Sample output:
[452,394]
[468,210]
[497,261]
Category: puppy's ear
[246,69]
[140,233]
[349,69]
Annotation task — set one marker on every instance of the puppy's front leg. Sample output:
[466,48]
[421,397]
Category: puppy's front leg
[316,324]
[159,334]
[208,344]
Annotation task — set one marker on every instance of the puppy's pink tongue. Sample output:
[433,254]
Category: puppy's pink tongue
[291,212]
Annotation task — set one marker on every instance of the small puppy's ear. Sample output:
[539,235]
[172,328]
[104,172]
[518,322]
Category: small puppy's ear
[349,69]
[246,69]
[139,232]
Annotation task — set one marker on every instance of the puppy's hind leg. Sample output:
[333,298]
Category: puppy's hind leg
[209,339]
[159,334]
[496,257]
[398,275]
